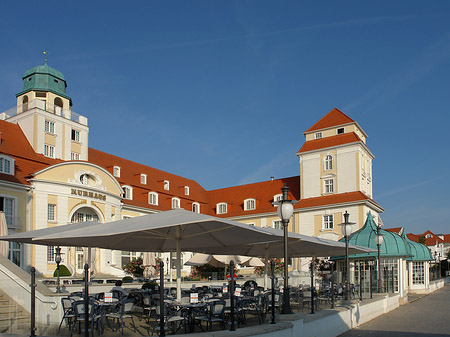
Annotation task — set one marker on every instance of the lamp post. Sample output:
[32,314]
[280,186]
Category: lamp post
[435,265]
[379,242]
[347,229]
[58,261]
[439,260]
[285,211]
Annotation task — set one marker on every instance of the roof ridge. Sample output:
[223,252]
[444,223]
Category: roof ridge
[334,117]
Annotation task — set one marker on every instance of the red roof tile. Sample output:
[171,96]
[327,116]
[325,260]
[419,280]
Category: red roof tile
[334,199]
[334,118]
[396,230]
[428,241]
[322,143]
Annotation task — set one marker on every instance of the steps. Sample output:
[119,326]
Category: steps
[13,318]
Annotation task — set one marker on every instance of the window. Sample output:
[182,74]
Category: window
[55,80]
[340,131]
[7,206]
[75,135]
[186,190]
[249,204]
[143,178]
[328,162]
[153,198]
[6,165]
[318,135]
[195,207]
[327,222]
[116,171]
[128,257]
[277,224]
[51,212]
[49,126]
[418,273]
[50,254]
[221,208]
[329,185]
[49,151]
[127,192]
[278,197]
[175,203]
[166,185]
[74,156]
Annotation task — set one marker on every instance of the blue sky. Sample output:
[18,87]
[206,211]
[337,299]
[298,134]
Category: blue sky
[222,91]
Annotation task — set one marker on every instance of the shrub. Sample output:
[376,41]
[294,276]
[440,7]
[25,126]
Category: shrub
[127,279]
[63,271]
[149,285]
[279,266]
[134,267]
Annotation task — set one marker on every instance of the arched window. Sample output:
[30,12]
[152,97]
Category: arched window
[221,208]
[249,204]
[195,207]
[25,103]
[58,105]
[175,203]
[153,198]
[328,162]
[127,192]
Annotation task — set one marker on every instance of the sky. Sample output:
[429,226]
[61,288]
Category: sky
[221,91]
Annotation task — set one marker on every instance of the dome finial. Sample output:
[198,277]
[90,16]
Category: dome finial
[45,53]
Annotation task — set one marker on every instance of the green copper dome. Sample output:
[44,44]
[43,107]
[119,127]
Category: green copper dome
[393,244]
[45,78]
[419,251]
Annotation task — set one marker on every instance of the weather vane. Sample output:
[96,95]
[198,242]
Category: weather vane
[45,53]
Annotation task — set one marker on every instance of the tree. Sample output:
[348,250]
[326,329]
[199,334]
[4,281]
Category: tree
[422,239]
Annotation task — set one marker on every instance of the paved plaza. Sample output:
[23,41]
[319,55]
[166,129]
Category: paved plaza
[426,316]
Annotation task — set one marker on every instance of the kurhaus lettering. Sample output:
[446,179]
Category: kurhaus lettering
[88,194]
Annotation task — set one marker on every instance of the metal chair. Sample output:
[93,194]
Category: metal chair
[93,317]
[124,309]
[68,312]
[215,313]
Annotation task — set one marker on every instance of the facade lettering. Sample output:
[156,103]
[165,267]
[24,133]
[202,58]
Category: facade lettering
[83,193]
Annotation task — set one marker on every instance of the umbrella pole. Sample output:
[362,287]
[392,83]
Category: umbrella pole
[266,267]
[178,264]
[89,262]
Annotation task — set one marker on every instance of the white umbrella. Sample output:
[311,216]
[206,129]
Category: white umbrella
[200,259]
[149,262]
[3,231]
[174,230]
[254,262]
[89,258]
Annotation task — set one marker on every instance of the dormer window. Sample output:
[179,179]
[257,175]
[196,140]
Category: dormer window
[153,198]
[340,131]
[175,203]
[127,192]
[186,190]
[428,236]
[249,204]
[166,185]
[6,165]
[143,179]
[278,197]
[116,171]
[195,207]
[318,135]
[222,208]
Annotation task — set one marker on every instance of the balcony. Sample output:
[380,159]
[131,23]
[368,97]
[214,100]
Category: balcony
[45,106]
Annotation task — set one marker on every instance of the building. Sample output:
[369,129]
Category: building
[50,176]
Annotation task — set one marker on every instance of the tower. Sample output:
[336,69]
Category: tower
[44,113]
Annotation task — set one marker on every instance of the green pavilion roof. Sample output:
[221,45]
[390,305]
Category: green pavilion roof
[419,251]
[393,244]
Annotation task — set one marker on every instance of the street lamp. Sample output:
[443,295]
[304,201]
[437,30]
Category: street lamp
[347,229]
[379,242]
[58,261]
[285,211]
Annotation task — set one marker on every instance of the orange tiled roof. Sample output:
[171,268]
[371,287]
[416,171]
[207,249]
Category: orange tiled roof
[447,238]
[322,143]
[334,199]
[334,118]
[395,230]
[428,241]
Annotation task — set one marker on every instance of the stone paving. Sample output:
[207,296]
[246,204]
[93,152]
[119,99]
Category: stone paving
[424,316]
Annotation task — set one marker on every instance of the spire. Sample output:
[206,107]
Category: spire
[45,53]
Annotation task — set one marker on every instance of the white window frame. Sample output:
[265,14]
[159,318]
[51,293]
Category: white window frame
[50,253]
[74,156]
[328,185]
[49,127]
[186,190]
[318,135]
[166,185]
[277,224]
[143,179]
[176,203]
[222,208]
[127,192]
[249,204]
[278,197]
[195,207]
[153,198]
[75,135]
[116,171]
[328,221]
[6,165]
[328,162]
[51,212]
[49,151]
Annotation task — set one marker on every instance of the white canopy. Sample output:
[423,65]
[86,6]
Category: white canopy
[200,259]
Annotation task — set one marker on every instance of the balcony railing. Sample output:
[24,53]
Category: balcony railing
[45,106]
